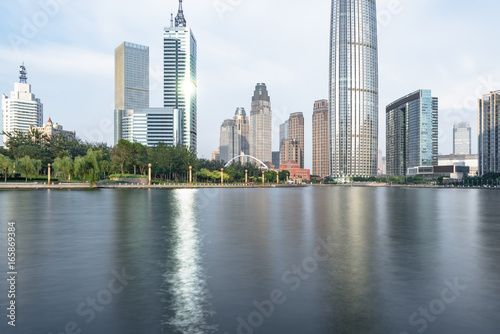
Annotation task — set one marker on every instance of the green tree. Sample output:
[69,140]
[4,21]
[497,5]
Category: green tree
[89,166]
[122,153]
[6,165]
[30,167]
[283,175]
[64,166]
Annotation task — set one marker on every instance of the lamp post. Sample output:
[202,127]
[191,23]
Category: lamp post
[49,175]
[190,175]
[246,177]
[277,178]
[149,173]
[222,176]
[262,177]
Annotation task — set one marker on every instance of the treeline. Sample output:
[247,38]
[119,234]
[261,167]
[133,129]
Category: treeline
[30,154]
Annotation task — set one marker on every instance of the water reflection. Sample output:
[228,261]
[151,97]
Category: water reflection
[184,274]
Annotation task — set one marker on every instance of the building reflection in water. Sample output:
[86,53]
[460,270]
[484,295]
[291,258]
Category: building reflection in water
[185,278]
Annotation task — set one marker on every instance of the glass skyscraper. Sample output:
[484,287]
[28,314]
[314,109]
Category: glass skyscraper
[489,133]
[462,138]
[353,89]
[412,132]
[179,66]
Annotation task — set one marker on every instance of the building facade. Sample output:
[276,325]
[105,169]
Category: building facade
[131,82]
[469,160]
[243,126]
[290,151]
[462,138]
[353,94]
[296,133]
[261,125]
[151,126]
[50,130]
[321,139]
[489,133]
[22,109]
[412,132]
[297,174]
[284,131]
[180,68]
[230,146]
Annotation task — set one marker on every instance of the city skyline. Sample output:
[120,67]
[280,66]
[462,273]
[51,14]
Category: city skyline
[86,63]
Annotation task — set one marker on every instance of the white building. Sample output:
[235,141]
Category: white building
[22,109]
[469,160]
[230,146]
[151,126]
[180,88]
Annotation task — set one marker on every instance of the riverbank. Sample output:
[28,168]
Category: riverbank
[82,186]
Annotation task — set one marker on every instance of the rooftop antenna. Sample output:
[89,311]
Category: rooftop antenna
[23,77]
[171,20]
[180,21]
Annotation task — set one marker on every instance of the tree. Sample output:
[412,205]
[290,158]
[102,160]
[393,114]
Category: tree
[6,165]
[139,157]
[30,167]
[122,153]
[283,175]
[89,166]
[64,166]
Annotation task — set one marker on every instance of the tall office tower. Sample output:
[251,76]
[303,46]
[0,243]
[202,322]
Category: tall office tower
[489,136]
[296,132]
[462,138]
[243,125]
[180,88]
[284,131]
[261,125]
[22,109]
[353,89]
[131,81]
[321,139]
[412,132]
[229,140]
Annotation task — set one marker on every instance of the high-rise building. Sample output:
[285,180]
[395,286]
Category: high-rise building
[353,89]
[296,132]
[489,136]
[22,109]
[135,121]
[412,132]
[462,138]
[261,125]
[321,139]
[229,141]
[243,125]
[180,66]
[276,159]
[284,131]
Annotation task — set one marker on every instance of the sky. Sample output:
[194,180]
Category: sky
[447,46]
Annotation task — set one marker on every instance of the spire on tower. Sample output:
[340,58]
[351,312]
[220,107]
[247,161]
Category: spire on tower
[23,77]
[171,20]
[180,21]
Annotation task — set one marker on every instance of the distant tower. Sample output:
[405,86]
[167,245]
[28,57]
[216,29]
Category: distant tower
[489,138]
[296,133]
[353,89]
[261,125]
[462,138]
[321,139]
[229,141]
[22,109]
[243,126]
[180,67]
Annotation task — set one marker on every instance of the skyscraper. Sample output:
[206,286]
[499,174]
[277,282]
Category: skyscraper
[353,89]
[489,137]
[131,81]
[135,121]
[243,126]
[296,133]
[462,138]
[261,125]
[412,132]
[229,141]
[284,131]
[321,139]
[22,109]
[180,61]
